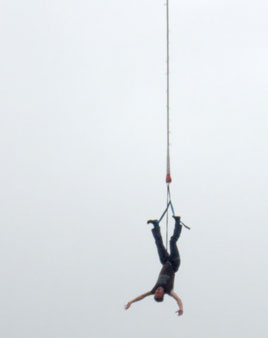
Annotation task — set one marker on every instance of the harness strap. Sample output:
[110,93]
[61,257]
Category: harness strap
[165,211]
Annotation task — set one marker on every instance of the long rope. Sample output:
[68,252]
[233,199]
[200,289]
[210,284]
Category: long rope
[168,176]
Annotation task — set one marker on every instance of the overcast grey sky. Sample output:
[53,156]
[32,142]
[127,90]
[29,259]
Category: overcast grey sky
[82,144]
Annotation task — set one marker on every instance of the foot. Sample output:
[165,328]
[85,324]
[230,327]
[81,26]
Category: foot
[154,222]
[177,218]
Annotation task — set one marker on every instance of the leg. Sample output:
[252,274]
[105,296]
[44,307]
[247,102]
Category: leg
[177,229]
[174,252]
[162,252]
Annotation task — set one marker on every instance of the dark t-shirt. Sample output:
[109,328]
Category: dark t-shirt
[165,279]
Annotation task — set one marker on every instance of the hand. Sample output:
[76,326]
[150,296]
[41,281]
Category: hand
[128,305]
[180,312]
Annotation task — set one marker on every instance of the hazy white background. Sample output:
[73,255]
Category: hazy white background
[82,142]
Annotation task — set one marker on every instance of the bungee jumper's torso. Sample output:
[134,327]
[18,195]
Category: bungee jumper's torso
[165,279]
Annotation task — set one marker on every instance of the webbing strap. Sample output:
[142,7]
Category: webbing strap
[186,226]
[165,211]
[172,208]
[173,214]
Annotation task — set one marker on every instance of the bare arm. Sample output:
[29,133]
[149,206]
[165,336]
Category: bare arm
[137,299]
[179,302]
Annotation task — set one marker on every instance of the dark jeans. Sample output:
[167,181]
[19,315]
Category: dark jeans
[174,256]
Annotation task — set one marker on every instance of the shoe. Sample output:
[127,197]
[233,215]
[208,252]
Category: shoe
[154,222]
[177,218]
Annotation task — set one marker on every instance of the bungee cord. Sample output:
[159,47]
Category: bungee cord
[168,174]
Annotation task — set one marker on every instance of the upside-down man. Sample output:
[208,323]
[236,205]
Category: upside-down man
[170,262]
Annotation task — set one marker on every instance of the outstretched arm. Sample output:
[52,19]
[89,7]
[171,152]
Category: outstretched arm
[137,299]
[179,302]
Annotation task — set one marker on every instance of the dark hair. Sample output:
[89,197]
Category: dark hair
[159,299]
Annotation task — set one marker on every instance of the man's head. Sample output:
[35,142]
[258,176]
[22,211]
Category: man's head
[159,294]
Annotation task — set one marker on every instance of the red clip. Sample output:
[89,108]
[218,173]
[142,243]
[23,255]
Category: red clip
[168,179]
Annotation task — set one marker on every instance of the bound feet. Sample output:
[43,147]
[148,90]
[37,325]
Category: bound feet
[154,222]
[177,218]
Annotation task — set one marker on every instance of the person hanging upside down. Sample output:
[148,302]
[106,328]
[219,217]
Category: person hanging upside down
[170,262]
